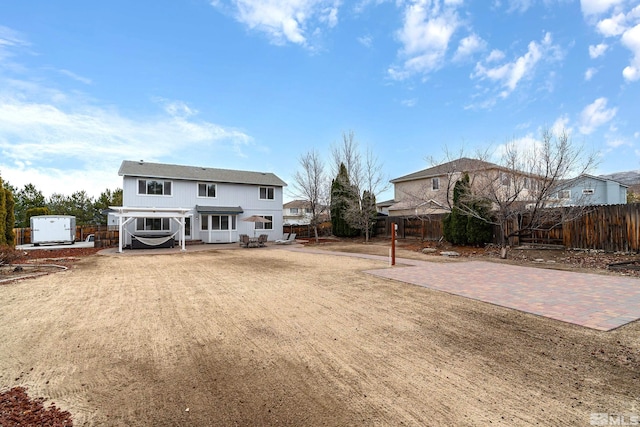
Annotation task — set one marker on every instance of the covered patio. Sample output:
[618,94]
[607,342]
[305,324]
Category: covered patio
[127,215]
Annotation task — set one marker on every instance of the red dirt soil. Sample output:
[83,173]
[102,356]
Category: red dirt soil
[18,409]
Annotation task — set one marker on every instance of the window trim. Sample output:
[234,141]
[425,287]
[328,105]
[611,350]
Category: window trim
[265,226]
[505,179]
[205,222]
[564,194]
[165,184]
[207,186]
[435,184]
[163,222]
[266,188]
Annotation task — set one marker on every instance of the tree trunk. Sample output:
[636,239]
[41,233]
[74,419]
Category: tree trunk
[504,241]
[503,252]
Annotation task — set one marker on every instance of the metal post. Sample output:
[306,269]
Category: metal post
[393,243]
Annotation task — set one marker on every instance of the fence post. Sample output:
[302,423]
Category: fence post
[393,243]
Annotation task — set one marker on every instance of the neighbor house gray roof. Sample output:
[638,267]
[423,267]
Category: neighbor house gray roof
[297,204]
[599,178]
[463,164]
[196,173]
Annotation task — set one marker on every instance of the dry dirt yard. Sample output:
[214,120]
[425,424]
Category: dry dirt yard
[274,337]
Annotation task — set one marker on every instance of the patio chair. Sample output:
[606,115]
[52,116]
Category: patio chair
[290,239]
[262,239]
[244,240]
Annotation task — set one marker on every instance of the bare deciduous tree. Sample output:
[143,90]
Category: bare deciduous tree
[311,185]
[525,184]
[366,178]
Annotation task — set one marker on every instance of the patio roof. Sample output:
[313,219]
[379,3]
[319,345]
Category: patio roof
[219,210]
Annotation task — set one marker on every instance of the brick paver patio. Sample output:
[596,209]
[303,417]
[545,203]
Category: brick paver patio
[591,300]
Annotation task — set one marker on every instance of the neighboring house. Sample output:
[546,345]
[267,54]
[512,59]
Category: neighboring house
[299,212]
[588,190]
[430,191]
[296,212]
[196,203]
[383,207]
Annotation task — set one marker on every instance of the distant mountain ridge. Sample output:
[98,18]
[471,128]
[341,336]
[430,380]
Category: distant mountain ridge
[627,178]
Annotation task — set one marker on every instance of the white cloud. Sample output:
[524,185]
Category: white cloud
[509,75]
[81,138]
[560,126]
[76,77]
[623,22]
[9,39]
[597,50]
[409,102]
[468,46]
[366,41]
[495,56]
[588,75]
[595,115]
[519,6]
[613,26]
[631,39]
[596,7]
[425,36]
[284,20]
[617,142]
[527,146]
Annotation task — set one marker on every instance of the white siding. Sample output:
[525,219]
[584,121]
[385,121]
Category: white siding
[184,195]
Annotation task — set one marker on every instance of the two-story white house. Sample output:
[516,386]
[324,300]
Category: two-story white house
[590,190]
[165,201]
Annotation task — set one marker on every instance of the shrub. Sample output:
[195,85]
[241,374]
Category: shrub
[8,254]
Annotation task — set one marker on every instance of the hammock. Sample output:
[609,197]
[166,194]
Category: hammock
[154,241]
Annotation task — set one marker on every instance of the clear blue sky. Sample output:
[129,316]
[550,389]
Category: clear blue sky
[254,84]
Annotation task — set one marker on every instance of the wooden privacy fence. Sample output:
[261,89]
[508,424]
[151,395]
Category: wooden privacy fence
[408,227]
[612,228]
[104,236]
[306,231]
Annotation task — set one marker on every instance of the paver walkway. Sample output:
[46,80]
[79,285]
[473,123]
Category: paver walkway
[590,300]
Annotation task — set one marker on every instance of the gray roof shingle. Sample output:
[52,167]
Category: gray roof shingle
[463,164]
[196,173]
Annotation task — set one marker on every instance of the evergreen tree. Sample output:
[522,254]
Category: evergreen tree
[35,212]
[27,198]
[466,227]
[107,198]
[342,196]
[10,218]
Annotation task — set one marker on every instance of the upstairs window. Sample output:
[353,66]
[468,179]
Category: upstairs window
[294,211]
[207,190]
[435,183]
[588,191]
[505,179]
[564,194]
[267,193]
[153,187]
